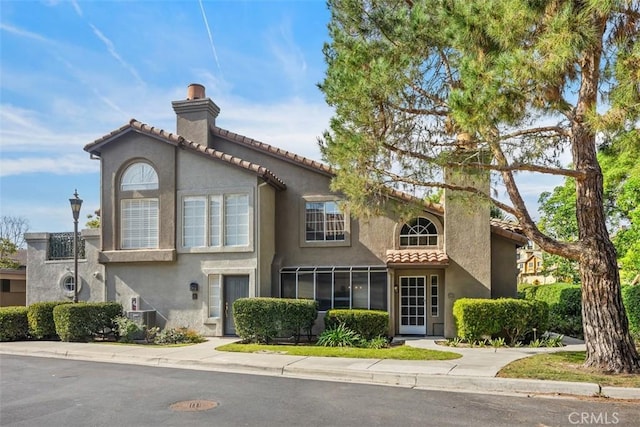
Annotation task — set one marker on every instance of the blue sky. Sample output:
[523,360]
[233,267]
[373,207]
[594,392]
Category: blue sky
[72,71]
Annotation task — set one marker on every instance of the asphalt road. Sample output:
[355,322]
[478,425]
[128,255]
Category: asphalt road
[53,392]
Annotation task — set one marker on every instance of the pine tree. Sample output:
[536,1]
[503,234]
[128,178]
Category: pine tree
[421,85]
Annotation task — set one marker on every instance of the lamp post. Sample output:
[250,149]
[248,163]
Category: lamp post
[76,204]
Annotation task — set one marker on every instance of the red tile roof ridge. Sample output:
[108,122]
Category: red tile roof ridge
[273,150]
[176,139]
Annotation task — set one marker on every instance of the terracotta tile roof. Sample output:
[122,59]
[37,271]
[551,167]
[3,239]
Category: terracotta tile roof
[171,138]
[274,151]
[311,164]
[416,257]
[509,230]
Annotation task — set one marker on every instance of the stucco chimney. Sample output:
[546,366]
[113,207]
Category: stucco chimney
[467,235]
[196,115]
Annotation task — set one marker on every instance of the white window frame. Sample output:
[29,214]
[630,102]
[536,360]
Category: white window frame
[434,292]
[139,176]
[217,222]
[215,297]
[151,224]
[419,231]
[66,279]
[346,224]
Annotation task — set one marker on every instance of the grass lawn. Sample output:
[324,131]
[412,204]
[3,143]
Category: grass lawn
[564,366]
[400,353]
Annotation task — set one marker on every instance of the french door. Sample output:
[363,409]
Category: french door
[413,319]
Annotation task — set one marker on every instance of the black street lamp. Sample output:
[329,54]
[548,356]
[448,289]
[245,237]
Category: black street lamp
[76,204]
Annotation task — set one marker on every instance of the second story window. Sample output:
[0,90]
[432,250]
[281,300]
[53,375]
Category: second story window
[419,232]
[139,207]
[215,220]
[324,221]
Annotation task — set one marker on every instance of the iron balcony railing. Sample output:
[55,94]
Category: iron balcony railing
[61,246]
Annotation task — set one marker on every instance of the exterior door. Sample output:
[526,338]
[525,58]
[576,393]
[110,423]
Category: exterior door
[413,319]
[234,287]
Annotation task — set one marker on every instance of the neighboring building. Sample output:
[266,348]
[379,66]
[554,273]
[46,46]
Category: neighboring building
[194,220]
[14,281]
[530,268]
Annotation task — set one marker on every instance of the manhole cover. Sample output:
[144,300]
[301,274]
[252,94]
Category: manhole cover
[193,405]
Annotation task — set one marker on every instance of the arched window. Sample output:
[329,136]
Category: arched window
[139,223]
[139,176]
[419,232]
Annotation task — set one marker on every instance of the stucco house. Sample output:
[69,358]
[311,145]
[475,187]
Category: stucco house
[14,281]
[530,266]
[195,219]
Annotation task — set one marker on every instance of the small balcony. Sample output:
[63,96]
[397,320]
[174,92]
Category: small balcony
[61,246]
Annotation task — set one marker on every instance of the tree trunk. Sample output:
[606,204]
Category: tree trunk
[610,347]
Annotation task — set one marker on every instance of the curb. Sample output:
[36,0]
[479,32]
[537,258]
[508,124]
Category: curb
[410,380]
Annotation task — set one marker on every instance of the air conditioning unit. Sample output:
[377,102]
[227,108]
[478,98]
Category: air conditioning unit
[143,317]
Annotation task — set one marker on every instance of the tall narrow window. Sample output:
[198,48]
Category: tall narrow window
[139,222]
[214,221]
[324,221]
[434,296]
[194,222]
[139,212]
[419,232]
[236,220]
[214,295]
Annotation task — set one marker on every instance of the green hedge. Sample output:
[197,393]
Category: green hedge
[565,306]
[369,324]
[510,318]
[84,321]
[14,325]
[40,315]
[631,300]
[263,319]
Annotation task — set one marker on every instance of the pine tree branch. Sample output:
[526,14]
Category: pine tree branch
[546,243]
[493,167]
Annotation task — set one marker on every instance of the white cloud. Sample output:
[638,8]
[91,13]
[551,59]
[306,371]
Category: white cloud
[114,53]
[69,164]
[24,33]
[289,55]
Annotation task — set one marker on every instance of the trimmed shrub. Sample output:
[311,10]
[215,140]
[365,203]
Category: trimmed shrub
[510,318]
[84,321]
[40,316]
[14,325]
[298,316]
[565,306]
[631,300]
[263,319]
[368,324]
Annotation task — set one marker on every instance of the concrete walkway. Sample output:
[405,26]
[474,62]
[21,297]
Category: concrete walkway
[474,372]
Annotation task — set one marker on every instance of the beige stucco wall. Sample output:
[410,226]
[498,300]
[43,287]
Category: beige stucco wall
[504,270]
[164,286]
[44,277]
[369,238]
[115,158]
[468,245]
[266,239]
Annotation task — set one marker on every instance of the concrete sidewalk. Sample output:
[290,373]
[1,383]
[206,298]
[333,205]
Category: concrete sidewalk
[474,372]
